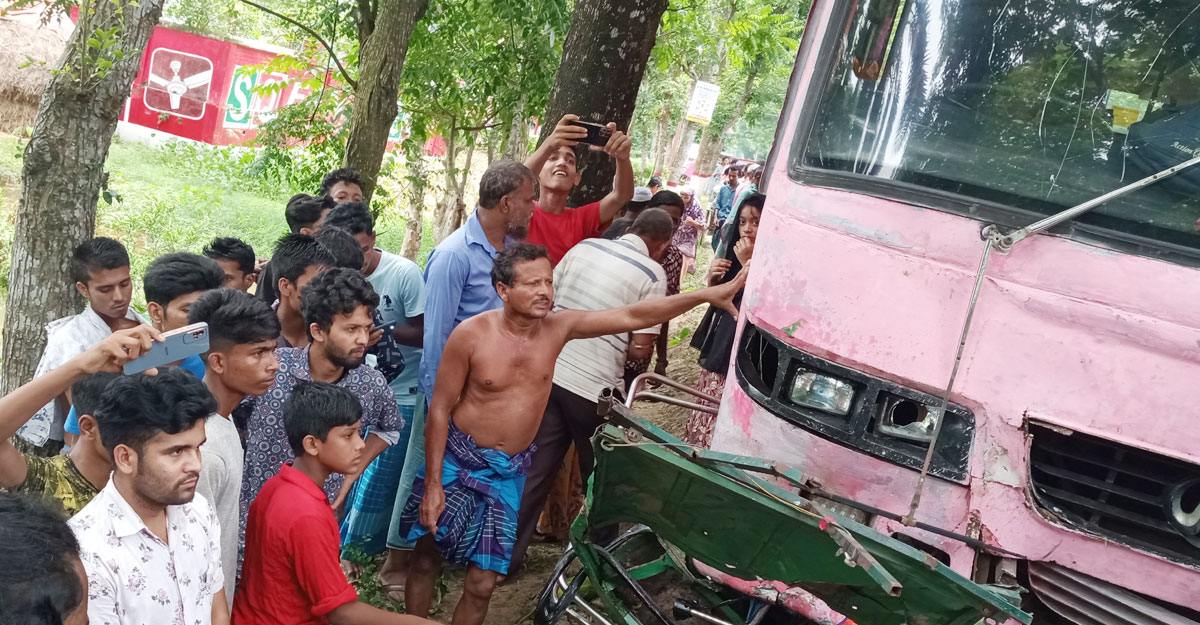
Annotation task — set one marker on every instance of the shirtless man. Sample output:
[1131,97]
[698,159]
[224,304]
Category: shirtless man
[495,374]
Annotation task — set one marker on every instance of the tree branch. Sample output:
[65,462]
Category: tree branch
[341,68]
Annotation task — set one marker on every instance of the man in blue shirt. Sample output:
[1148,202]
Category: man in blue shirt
[725,201]
[458,286]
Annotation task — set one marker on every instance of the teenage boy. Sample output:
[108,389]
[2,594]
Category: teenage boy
[342,185]
[172,283]
[236,259]
[240,362]
[298,258]
[74,478]
[291,572]
[553,224]
[304,214]
[495,377]
[151,547]
[337,306]
[100,269]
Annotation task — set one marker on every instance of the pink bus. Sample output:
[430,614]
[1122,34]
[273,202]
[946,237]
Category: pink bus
[1071,442]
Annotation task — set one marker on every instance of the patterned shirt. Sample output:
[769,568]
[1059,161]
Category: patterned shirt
[134,578]
[266,440]
[58,477]
[66,338]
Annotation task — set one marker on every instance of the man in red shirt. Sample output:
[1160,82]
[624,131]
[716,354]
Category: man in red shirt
[553,224]
[291,573]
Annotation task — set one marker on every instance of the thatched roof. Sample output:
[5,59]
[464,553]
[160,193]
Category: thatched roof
[25,38]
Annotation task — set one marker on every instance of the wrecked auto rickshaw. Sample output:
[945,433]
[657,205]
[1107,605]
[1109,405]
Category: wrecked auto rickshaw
[731,540]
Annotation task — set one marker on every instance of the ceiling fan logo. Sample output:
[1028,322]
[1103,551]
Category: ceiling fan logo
[178,83]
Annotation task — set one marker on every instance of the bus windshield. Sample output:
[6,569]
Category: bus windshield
[1034,104]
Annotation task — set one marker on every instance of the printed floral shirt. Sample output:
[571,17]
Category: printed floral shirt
[135,578]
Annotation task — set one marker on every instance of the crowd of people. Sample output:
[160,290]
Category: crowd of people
[348,401]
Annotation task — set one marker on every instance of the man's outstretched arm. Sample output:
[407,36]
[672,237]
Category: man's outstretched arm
[20,405]
[651,312]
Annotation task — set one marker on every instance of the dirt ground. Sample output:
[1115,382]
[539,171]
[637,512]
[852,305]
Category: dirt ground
[513,603]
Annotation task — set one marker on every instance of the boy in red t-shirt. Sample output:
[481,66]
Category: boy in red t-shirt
[553,224]
[291,572]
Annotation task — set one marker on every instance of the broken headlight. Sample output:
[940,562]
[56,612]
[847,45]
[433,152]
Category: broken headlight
[907,419]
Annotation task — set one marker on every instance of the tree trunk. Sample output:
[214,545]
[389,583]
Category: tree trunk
[660,141]
[381,61]
[62,173]
[414,220]
[516,142]
[442,219]
[604,57]
[677,138]
[713,137]
[660,134]
[679,163]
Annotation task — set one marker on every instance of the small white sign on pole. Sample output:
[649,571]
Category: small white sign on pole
[704,102]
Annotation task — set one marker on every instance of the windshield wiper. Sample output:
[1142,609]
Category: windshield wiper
[993,239]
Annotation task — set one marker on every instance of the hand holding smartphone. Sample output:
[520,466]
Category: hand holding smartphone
[597,134]
[176,345]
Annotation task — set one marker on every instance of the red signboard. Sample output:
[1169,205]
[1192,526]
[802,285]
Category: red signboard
[206,89]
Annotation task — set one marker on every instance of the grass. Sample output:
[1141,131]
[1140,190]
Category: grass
[175,201]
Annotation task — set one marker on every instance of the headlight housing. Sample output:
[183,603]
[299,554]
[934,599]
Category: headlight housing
[822,392]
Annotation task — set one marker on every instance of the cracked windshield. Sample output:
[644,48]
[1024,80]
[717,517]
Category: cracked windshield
[1034,104]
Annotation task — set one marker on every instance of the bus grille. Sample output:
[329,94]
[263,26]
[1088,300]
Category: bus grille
[1112,490]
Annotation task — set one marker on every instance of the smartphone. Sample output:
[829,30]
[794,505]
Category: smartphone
[176,345]
[382,326]
[597,134]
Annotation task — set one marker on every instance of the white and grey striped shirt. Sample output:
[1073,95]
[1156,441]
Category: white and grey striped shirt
[599,274]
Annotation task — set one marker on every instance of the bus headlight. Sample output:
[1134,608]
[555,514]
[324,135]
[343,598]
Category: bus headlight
[822,392]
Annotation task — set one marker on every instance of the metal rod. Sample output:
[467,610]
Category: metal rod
[910,518]
[685,607]
[1006,242]
[667,399]
[636,393]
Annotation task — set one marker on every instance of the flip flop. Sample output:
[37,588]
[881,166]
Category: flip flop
[395,592]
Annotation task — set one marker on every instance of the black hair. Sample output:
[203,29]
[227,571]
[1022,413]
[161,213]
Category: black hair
[86,392]
[502,178]
[234,318]
[504,267]
[304,210]
[97,254]
[315,408]
[232,248]
[340,175]
[757,200]
[136,408]
[337,291]
[173,275]
[655,181]
[654,224]
[294,254]
[342,246]
[353,217]
[666,198]
[38,581]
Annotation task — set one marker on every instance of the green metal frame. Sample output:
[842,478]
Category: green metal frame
[715,510]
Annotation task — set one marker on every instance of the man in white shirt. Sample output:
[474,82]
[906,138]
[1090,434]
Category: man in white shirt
[241,362]
[596,274]
[100,267]
[150,546]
